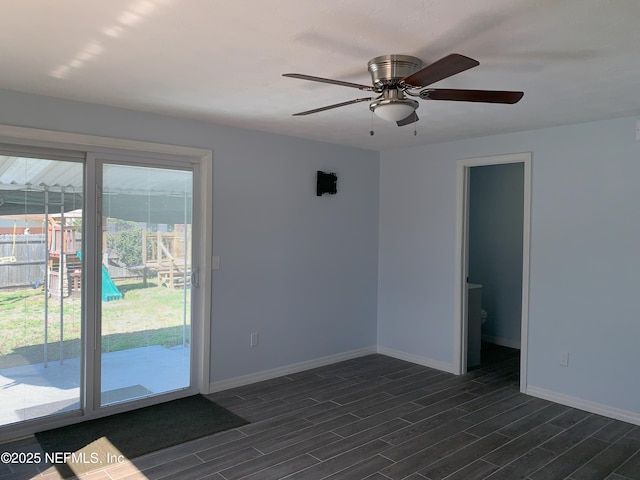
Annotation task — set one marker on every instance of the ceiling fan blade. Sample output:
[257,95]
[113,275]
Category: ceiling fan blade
[484,96]
[329,107]
[412,118]
[328,80]
[441,69]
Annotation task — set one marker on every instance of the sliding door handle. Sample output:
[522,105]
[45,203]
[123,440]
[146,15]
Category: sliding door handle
[195,278]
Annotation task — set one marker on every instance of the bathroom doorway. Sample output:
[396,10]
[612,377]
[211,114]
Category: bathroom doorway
[493,260]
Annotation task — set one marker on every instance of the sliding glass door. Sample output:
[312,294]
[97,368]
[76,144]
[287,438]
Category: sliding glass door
[145,281]
[41,302]
[97,277]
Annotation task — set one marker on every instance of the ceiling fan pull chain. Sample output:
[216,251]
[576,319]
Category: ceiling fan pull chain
[371,132]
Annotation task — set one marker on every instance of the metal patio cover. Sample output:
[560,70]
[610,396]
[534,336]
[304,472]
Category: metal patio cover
[29,187]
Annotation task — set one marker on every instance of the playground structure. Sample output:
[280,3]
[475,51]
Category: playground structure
[165,253]
[63,263]
[162,252]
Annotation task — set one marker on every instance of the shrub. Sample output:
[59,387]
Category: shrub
[125,240]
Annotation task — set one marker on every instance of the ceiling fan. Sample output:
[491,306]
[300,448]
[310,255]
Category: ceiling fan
[397,77]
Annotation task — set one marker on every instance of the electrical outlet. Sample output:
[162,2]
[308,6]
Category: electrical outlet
[254,339]
[564,359]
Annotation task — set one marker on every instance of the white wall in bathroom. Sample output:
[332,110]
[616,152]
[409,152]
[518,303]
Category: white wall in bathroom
[496,202]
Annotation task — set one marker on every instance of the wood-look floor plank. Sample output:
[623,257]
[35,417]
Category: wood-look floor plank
[523,466]
[416,458]
[459,459]
[607,461]
[425,440]
[564,465]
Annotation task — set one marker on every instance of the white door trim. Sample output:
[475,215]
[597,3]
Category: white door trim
[461,261]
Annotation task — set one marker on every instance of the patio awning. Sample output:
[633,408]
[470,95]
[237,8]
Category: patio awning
[35,186]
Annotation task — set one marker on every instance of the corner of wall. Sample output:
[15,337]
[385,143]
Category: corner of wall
[418,360]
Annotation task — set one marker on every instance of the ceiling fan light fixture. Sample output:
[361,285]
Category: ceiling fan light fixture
[393,109]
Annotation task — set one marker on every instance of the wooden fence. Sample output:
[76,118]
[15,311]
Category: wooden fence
[23,262]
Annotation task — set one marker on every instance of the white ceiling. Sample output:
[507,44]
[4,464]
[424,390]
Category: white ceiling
[221,61]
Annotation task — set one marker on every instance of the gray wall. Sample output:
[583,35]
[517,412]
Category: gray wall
[303,271]
[496,202]
[298,269]
[585,227]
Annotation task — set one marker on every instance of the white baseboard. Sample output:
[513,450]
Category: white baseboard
[505,342]
[289,369]
[593,407]
[568,400]
[417,359]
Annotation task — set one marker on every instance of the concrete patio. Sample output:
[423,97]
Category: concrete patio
[32,391]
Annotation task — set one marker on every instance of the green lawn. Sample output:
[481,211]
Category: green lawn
[145,316]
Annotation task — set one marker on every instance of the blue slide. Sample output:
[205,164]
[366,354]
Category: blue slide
[109,289]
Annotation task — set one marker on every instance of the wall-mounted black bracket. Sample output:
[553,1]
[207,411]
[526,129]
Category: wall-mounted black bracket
[326,183]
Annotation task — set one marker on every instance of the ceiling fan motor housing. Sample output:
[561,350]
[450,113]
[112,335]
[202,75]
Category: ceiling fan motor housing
[387,70]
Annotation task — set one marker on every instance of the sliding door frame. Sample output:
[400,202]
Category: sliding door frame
[201,161]
[95,247]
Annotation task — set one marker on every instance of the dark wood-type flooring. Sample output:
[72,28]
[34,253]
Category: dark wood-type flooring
[380,418]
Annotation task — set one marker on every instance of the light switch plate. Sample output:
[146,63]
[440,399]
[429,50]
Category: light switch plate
[564,359]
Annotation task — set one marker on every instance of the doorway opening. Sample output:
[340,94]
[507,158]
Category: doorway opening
[492,265]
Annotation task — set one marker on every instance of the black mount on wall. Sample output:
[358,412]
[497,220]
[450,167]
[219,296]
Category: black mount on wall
[326,183]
